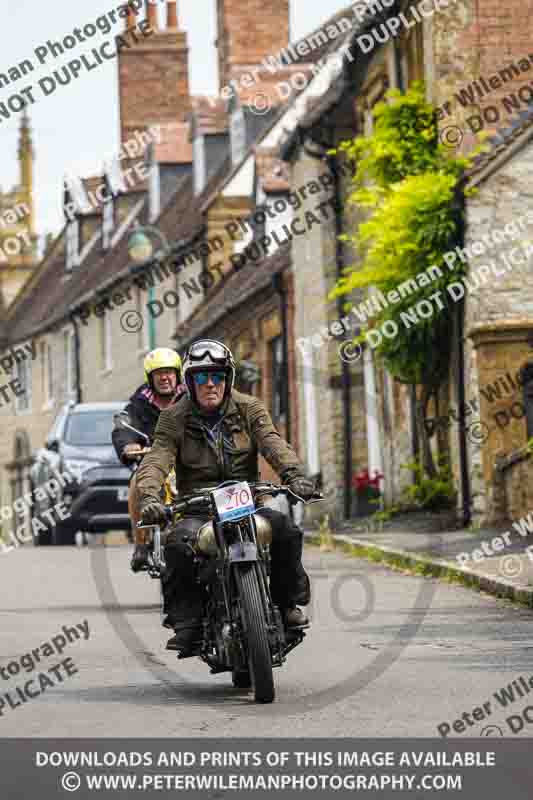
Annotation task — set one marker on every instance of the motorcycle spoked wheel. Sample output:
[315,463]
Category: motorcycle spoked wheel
[254,624]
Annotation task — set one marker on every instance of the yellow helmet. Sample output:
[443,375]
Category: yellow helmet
[159,359]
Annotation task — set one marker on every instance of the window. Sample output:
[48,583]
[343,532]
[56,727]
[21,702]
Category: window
[89,428]
[106,351]
[73,244]
[277,381]
[69,365]
[23,375]
[47,374]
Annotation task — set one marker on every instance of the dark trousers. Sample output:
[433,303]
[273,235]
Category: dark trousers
[289,583]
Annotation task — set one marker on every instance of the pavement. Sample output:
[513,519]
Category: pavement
[498,560]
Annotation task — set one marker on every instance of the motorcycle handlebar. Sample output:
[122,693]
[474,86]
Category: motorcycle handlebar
[201,498]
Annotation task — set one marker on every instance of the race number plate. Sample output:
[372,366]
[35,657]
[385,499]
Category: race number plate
[122,494]
[234,502]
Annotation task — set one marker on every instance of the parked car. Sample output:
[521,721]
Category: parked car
[79,457]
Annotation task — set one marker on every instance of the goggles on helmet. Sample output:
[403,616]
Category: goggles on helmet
[216,351]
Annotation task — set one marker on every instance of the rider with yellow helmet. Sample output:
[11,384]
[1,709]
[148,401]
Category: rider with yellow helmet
[161,389]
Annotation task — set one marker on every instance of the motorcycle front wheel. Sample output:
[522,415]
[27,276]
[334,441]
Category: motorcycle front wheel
[254,624]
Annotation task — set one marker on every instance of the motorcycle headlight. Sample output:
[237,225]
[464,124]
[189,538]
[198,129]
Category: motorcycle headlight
[205,540]
[264,529]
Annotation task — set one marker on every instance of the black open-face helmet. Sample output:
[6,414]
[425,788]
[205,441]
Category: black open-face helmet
[212,356]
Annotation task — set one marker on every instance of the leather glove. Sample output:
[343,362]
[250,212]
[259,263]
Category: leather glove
[303,487]
[131,452]
[153,513]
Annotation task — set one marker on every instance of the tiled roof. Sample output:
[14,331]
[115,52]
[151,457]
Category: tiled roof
[236,289]
[520,128]
[58,294]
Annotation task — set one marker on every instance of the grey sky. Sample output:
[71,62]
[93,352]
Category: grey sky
[76,128]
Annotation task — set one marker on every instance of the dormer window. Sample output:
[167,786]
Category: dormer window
[73,243]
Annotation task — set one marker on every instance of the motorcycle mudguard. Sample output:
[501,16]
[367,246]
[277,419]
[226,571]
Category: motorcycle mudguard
[242,551]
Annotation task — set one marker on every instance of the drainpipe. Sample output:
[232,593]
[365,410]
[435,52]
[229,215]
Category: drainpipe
[345,373]
[277,283]
[77,357]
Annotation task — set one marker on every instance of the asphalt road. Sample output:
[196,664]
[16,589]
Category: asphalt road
[388,654]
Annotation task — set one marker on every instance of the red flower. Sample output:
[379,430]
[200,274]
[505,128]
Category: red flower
[362,480]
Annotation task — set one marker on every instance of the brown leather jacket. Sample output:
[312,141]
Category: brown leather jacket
[202,459]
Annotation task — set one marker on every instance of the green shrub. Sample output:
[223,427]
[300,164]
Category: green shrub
[430,494]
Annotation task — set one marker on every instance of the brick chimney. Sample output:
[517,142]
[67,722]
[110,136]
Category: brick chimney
[154,75]
[247,32]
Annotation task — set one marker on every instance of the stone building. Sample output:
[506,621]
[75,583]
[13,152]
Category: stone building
[190,177]
[474,60]
[498,327]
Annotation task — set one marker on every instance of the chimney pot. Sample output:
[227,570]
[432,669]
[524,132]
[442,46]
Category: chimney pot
[152,14]
[131,21]
[172,14]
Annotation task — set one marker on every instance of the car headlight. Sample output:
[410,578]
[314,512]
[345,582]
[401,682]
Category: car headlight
[77,468]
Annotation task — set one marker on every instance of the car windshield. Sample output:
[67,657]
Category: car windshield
[90,428]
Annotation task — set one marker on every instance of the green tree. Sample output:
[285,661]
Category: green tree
[413,190]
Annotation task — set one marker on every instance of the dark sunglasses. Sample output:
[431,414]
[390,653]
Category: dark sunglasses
[201,378]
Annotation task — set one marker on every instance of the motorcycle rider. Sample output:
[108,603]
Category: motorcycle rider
[161,389]
[213,435]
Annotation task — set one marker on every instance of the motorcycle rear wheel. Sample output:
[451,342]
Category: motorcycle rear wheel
[259,656]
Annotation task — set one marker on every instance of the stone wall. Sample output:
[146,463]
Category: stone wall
[499,316]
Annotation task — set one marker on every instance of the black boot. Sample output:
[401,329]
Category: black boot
[187,638]
[295,618]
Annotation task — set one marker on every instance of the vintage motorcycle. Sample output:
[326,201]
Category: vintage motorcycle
[243,630]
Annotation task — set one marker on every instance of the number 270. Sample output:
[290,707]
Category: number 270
[239,499]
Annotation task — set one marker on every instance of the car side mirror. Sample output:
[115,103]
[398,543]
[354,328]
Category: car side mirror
[53,446]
